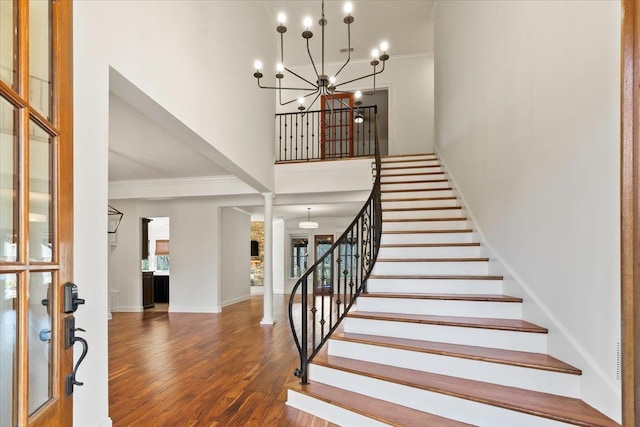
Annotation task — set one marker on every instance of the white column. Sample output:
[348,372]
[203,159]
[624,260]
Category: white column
[267,316]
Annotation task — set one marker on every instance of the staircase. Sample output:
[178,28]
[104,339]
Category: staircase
[434,342]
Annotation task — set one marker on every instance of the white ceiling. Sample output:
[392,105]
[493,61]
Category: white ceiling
[141,149]
[406,25]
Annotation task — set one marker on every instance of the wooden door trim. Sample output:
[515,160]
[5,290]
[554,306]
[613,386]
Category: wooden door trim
[630,230]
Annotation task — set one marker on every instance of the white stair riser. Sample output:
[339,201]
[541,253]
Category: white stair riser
[417,194]
[410,164]
[417,238]
[334,414]
[514,376]
[509,340]
[387,186]
[439,404]
[394,169]
[430,268]
[435,286]
[424,225]
[403,157]
[430,252]
[412,177]
[390,204]
[420,214]
[490,309]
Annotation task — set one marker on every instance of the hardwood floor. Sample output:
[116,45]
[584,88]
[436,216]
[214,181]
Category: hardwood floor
[180,369]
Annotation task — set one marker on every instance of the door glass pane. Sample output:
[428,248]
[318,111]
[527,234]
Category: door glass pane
[8,182]
[40,204]
[8,305]
[40,55]
[40,339]
[7,42]
[324,271]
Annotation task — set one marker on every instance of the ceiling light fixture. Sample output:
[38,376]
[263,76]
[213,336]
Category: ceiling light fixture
[308,224]
[324,85]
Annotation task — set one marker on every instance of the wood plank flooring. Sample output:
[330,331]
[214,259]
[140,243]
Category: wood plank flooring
[181,369]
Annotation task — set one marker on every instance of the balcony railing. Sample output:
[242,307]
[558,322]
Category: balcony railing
[326,291]
[325,134]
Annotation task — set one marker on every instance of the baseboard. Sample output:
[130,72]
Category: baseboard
[193,309]
[595,386]
[236,300]
[105,423]
[129,309]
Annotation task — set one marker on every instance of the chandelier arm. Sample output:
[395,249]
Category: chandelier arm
[348,50]
[286,88]
[282,48]
[312,63]
[375,73]
[347,106]
[301,78]
[305,96]
[314,100]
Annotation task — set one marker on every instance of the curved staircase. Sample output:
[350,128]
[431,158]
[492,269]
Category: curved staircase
[434,342]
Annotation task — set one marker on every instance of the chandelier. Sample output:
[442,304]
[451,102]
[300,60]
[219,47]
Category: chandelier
[324,85]
[308,224]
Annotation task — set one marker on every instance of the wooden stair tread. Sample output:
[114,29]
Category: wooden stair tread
[380,410]
[416,190]
[463,230]
[409,167]
[448,297]
[395,156]
[455,218]
[420,181]
[525,359]
[515,325]
[429,245]
[412,174]
[420,199]
[440,277]
[423,159]
[435,208]
[432,259]
[560,408]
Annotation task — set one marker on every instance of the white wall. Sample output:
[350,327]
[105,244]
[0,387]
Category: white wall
[322,177]
[527,121]
[410,83]
[235,255]
[195,269]
[176,52]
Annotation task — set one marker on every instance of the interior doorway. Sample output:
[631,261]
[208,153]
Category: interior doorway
[155,263]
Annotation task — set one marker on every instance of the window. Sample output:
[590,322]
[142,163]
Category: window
[162,262]
[299,255]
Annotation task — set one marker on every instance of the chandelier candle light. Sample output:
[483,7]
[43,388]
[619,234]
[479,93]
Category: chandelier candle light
[324,85]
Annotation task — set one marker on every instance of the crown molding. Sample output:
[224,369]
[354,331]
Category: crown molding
[222,185]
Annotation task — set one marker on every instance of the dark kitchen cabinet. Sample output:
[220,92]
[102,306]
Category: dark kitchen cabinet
[161,289]
[147,289]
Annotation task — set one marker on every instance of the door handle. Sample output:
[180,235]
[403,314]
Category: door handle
[70,340]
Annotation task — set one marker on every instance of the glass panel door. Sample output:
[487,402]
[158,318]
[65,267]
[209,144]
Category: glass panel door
[323,276]
[36,211]
[337,125]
